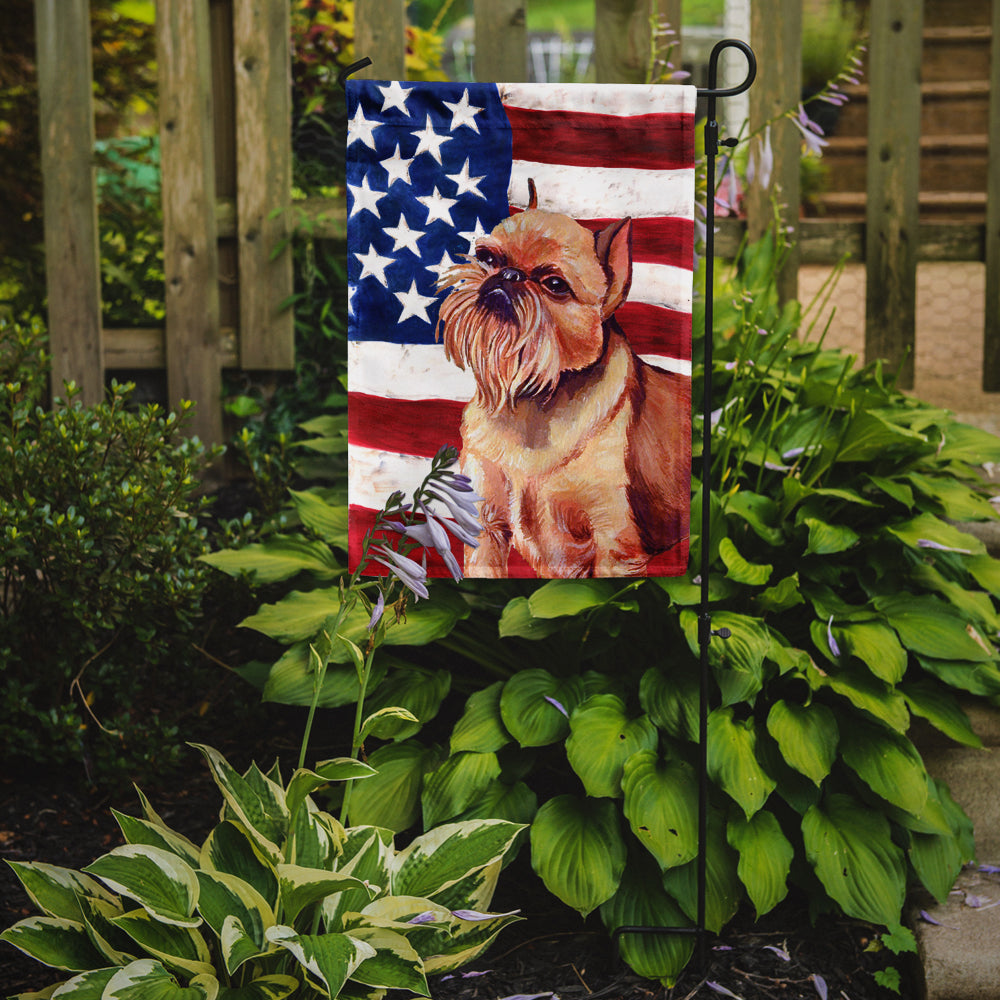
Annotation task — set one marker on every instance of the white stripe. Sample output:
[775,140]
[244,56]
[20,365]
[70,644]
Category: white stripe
[600,98]
[676,365]
[600,192]
[661,285]
[373,475]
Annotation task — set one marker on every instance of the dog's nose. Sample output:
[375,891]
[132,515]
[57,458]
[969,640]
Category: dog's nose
[511,274]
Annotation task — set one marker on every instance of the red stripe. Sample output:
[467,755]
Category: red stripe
[655,330]
[583,139]
[673,562]
[405,426]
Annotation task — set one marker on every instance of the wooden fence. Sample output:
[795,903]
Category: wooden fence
[226,160]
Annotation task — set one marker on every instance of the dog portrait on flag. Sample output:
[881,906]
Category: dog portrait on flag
[520,274]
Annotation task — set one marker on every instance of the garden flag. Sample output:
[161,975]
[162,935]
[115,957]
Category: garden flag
[520,279]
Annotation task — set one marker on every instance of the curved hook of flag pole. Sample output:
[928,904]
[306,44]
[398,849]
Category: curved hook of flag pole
[713,69]
[352,68]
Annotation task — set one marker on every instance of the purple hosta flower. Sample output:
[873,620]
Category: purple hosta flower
[461,502]
[558,705]
[820,983]
[427,917]
[990,869]
[719,988]
[812,134]
[927,918]
[465,975]
[431,535]
[780,952]
[927,543]
[412,575]
[761,163]
[377,611]
[834,648]
[475,915]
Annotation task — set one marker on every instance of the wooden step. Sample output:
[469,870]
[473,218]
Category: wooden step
[956,53]
[958,206]
[945,105]
[940,13]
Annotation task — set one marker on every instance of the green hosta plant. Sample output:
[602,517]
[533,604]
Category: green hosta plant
[279,900]
[855,603]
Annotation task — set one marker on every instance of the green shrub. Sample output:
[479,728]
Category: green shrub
[99,541]
[279,900]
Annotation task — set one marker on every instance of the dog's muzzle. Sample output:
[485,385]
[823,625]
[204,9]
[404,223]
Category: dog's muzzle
[496,294]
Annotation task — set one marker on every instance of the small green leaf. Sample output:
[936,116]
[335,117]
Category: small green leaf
[279,558]
[671,700]
[517,620]
[560,598]
[765,858]
[807,736]
[481,727]
[739,569]
[327,520]
[828,539]
[330,959]
[732,760]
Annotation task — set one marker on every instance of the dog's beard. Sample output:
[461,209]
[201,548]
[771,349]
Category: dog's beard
[505,345]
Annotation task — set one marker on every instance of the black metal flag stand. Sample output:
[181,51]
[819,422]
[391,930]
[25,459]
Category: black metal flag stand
[705,631]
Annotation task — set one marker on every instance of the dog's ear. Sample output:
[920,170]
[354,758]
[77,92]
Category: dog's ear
[532,194]
[613,246]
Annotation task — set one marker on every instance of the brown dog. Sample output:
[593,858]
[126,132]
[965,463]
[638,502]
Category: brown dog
[581,449]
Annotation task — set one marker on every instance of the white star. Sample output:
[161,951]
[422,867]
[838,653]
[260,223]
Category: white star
[397,168]
[463,113]
[430,141]
[414,304]
[473,235]
[360,128]
[403,236]
[395,97]
[438,207]
[365,197]
[374,264]
[443,266]
[466,184]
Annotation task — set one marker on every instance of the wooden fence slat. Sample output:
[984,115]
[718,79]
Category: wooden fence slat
[501,39]
[262,61]
[190,253]
[621,40]
[380,34]
[893,184]
[776,36]
[991,333]
[72,255]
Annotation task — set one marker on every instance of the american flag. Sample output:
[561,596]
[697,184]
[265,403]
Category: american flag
[431,167]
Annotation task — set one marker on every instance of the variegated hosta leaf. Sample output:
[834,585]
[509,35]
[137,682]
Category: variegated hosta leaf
[86,986]
[732,760]
[329,959]
[456,784]
[535,706]
[602,737]
[238,945]
[274,987]
[116,946]
[315,838]
[225,897]
[300,887]
[256,801]
[661,799]
[441,857]
[642,902]
[158,880]
[147,979]
[476,890]
[141,831]
[177,947]
[578,851]
[851,849]
[304,782]
[395,964]
[466,941]
[765,858]
[54,941]
[56,891]
[367,853]
[807,736]
[230,849]
[481,727]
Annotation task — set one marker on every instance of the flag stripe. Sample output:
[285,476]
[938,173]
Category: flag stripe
[651,330]
[416,426]
[580,139]
[589,97]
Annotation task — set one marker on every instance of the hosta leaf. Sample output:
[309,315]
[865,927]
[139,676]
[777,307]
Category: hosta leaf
[141,831]
[391,798]
[147,979]
[330,959]
[738,661]
[976,678]
[466,941]
[870,435]
[601,739]
[98,916]
[928,528]
[481,728]
[304,782]
[180,948]
[516,803]
[227,897]
[888,763]
[937,860]
[56,891]
[517,620]
[661,799]
[87,986]
[530,706]
[807,736]
[559,598]
[280,557]
[159,881]
[965,443]
[739,569]
[291,680]
[417,690]
[758,511]
[957,501]
[723,889]
[387,723]
[395,964]
[641,901]
[54,941]
[301,887]
[866,692]
[765,858]
[230,849]
[941,709]
[274,987]
[441,857]
[850,848]
[828,539]
[366,855]
[976,605]
[931,628]
[456,784]
[876,646]
[986,571]
[578,851]
[671,699]
[783,595]
[732,760]
[327,520]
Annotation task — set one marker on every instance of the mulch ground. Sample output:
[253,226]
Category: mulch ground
[550,953]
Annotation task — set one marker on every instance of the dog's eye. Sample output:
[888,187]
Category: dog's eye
[554,284]
[486,256]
